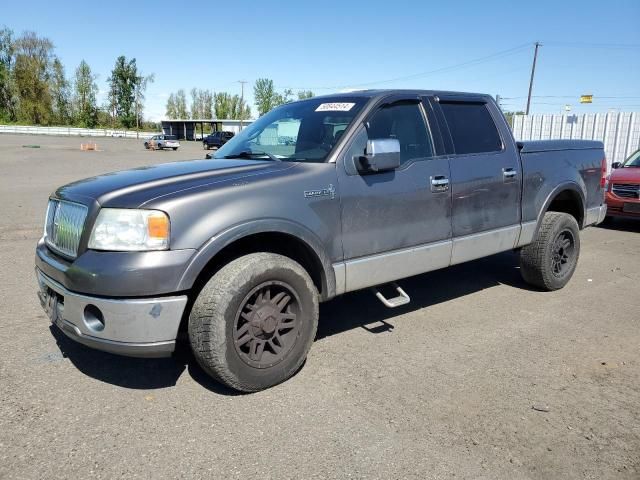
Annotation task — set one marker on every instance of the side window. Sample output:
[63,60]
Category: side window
[405,122]
[472,128]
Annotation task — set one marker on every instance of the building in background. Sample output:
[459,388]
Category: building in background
[195,129]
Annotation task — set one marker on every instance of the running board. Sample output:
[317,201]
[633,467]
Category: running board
[401,299]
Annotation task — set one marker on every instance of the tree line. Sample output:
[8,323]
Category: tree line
[35,90]
[205,104]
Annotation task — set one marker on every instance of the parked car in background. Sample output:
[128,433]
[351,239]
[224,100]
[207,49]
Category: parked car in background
[160,142]
[216,140]
[623,194]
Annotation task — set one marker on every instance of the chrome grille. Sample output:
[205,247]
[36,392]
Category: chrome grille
[64,225]
[626,190]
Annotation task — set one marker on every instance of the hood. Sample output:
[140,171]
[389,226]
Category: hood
[131,188]
[625,174]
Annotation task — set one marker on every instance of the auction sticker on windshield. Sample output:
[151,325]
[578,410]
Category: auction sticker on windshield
[334,107]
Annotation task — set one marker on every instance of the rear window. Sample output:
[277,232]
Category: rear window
[472,128]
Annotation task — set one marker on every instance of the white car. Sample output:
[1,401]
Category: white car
[159,142]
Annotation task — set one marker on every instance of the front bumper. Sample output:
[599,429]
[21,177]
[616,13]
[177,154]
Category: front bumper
[616,206]
[116,274]
[137,327]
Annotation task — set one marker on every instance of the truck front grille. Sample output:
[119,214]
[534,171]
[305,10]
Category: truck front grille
[64,225]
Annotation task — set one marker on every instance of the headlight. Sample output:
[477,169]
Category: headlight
[130,230]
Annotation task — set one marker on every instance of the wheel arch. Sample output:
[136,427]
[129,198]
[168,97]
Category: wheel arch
[566,198]
[275,236]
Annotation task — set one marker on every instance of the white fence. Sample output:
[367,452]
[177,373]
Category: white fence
[74,132]
[619,131]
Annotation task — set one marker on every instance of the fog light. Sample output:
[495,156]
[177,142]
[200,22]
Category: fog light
[93,318]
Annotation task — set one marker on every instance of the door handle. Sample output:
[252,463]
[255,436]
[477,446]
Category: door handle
[439,183]
[508,173]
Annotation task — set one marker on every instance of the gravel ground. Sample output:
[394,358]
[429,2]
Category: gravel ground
[444,387]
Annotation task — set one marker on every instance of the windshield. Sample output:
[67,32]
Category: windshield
[633,160]
[303,131]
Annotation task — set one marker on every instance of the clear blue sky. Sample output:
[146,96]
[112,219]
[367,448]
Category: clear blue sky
[329,45]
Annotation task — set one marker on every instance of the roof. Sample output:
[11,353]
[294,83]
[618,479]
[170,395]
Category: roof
[383,92]
[206,120]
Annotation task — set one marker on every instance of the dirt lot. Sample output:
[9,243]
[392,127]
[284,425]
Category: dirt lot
[441,388]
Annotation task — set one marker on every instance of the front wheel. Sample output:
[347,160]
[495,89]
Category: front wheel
[253,323]
[550,261]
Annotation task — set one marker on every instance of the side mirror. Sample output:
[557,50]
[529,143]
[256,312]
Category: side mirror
[381,154]
[616,165]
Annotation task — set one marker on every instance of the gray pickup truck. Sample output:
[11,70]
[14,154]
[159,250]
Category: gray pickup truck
[238,251]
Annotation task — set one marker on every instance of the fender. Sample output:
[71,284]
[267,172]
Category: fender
[266,225]
[570,185]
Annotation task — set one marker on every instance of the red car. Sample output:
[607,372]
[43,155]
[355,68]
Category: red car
[623,194]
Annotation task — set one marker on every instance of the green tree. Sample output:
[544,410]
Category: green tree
[139,93]
[181,105]
[85,91]
[201,103]
[231,107]
[196,103]
[304,94]
[207,104]
[265,95]
[31,72]
[170,110]
[60,94]
[8,92]
[123,82]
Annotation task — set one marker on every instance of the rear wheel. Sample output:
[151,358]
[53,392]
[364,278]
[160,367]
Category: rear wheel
[550,261]
[175,148]
[253,323]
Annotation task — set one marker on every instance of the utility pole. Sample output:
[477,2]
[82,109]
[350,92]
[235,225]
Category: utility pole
[533,72]
[137,117]
[241,82]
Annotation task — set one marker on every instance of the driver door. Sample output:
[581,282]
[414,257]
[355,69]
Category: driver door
[395,223]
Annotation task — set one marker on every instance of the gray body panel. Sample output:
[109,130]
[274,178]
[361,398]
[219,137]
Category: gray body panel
[364,230]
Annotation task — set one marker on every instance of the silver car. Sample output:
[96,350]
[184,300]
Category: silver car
[159,142]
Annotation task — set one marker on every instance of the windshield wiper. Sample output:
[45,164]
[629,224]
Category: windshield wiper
[247,154]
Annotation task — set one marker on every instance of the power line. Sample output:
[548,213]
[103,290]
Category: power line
[593,45]
[568,96]
[475,61]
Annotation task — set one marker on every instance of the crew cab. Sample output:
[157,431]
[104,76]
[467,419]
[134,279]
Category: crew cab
[239,251]
[623,194]
[216,140]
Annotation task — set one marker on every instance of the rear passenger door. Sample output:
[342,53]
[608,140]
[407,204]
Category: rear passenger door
[485,177]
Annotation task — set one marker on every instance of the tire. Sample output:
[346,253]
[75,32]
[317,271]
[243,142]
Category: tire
[159,146]
[146,145]
[174,148]
[551,259]
[226,330]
